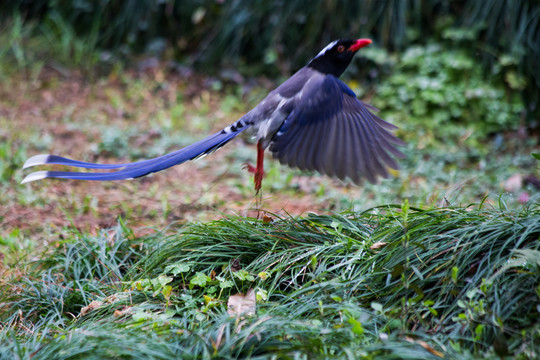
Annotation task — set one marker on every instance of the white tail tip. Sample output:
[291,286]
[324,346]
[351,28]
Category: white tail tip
[36,160]
[38,175]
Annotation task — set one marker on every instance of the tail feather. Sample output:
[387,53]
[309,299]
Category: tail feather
[59,160]
[129,170]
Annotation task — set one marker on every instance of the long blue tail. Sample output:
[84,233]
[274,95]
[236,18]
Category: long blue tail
[128,170]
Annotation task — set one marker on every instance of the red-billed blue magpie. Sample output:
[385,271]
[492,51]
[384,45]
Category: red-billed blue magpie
[313,121]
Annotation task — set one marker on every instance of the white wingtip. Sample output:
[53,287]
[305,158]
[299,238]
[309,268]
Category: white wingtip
[38,175]
[36,160]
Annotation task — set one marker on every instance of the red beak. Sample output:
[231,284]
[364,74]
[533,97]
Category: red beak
[360,43]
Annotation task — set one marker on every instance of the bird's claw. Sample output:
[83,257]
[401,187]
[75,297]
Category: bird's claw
[257,172]
[250,168]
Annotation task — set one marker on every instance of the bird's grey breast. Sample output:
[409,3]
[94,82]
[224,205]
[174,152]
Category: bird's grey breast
[270,114]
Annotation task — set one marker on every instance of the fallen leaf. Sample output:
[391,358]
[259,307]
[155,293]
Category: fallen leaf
[125,310]
[377,245]
[241,304]
[92,306]
[425,345]
[111,299]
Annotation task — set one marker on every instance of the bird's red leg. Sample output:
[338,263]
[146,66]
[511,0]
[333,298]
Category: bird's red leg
[259,170]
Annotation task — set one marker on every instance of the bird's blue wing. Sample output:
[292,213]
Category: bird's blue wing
[129,170]
[331,131]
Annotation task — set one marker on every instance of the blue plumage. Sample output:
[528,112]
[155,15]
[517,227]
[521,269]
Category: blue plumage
[129,170]
[313,121]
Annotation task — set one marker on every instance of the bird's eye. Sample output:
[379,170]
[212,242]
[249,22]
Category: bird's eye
[341,48]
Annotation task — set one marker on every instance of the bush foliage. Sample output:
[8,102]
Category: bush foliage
[442,97]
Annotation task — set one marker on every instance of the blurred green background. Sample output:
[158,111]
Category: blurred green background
[483,54]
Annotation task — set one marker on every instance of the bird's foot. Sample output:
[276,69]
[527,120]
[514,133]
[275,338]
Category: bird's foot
[258,174]
[250,168]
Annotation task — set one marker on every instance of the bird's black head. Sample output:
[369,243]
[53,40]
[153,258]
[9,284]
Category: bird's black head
[336,56]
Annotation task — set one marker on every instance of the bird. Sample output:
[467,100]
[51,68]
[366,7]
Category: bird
[312,121]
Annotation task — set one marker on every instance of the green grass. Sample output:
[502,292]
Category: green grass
[391,282]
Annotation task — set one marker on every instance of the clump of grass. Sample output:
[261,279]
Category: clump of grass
[60,284]
[391,282]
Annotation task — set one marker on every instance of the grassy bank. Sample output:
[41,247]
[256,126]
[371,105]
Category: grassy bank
[391,282]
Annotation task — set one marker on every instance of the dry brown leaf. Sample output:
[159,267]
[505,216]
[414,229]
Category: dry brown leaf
[92,306]
[377,245]
[112,298]
[425,345]
[240,304]
[125,310]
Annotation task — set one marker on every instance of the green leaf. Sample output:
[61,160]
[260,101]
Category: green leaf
[356,326]
[261,294]
[377,307]
[176,269]
[313,262]
[226,284]
[164,280]
[336,225]
[167,291]
[142,285]
[455,271]
[243,275]
[515,81]
[478,330]
[472,293]
[200,279]
[141,315]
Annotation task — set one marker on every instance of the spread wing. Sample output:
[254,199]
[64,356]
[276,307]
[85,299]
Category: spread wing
[331,131]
